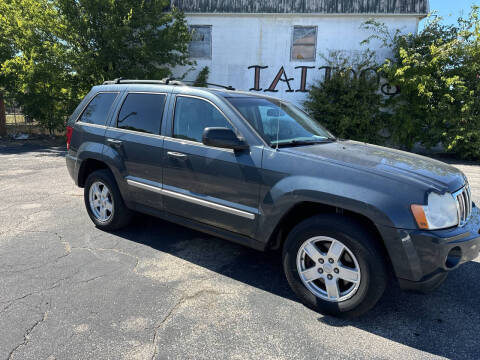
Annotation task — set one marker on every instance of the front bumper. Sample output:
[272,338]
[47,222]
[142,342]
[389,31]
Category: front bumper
[421,259]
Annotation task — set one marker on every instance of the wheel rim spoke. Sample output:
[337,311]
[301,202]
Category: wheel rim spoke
[350,275]
[102,213]
[312,251]
[332,289]
[311,274]
[104,192]
[335,251]
[109,206]
[96,190]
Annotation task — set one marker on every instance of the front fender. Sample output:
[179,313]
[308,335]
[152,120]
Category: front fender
[375,202]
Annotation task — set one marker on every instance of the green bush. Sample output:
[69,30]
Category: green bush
[437,71]
[349,102]
[202,78]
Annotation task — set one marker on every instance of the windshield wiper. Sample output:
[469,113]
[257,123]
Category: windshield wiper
[293,143]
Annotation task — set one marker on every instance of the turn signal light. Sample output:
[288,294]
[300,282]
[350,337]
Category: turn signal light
[420,217]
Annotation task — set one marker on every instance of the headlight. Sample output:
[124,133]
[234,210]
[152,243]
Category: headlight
[440,213]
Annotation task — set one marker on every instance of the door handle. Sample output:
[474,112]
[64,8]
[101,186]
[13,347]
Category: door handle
[177,155]
[114,143]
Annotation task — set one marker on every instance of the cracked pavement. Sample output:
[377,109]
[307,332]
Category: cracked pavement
[160,291]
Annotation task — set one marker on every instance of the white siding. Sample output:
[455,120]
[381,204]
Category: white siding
[240,41]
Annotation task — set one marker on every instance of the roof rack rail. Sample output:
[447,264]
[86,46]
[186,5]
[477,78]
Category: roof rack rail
[165,81]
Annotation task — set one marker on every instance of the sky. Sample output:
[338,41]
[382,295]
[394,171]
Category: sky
[450,10]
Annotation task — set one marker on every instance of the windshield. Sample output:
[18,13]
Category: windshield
[280,123]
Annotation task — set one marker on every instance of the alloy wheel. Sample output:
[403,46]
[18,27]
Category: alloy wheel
[101,201]
[328,268]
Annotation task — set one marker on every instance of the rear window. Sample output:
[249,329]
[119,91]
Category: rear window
[142,113]
[97,110]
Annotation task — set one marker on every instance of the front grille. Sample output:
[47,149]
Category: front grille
[464,204]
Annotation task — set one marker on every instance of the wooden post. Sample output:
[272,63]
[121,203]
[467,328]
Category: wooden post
[3,117]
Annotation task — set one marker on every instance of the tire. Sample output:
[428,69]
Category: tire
[117,215]
[361,261]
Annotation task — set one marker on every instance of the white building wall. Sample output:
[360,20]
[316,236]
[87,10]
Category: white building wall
[240,41]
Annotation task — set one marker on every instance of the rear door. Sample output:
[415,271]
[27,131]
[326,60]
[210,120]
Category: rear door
[219,187]
[133,139]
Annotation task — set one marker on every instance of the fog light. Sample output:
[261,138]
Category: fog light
[453,258]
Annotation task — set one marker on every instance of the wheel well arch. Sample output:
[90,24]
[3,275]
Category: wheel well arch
[304,210]
[87,167]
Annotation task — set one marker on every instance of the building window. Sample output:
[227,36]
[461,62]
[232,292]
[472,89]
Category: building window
[201,45]
[304,43]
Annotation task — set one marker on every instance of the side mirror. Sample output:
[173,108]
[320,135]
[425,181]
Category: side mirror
[223,138]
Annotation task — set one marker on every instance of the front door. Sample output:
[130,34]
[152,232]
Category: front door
[134,139]
[219,187]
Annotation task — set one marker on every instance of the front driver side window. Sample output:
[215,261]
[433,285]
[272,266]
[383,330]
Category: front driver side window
[193,115]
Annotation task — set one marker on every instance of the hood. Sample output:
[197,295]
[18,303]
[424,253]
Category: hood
[393,163]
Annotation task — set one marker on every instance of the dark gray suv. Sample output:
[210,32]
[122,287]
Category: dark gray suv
[258,171]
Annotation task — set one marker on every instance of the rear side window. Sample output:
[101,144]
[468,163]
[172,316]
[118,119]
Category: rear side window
[142,113]
[193,115]
[98,109]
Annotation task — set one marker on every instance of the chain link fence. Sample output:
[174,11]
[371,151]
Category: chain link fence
[19,125]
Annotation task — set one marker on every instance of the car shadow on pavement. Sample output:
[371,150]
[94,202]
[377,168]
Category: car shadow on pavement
[444,323]
[255,268]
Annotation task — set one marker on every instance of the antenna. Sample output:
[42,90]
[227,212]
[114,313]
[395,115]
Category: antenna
[226,87]
[278,124]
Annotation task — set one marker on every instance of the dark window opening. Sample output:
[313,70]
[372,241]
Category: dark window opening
[97,110]
[193,115]
[142,113]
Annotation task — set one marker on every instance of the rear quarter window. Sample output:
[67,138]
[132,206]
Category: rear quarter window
[142,112]
[96,112]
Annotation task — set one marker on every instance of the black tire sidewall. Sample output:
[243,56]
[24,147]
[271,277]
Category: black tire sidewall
[359,241]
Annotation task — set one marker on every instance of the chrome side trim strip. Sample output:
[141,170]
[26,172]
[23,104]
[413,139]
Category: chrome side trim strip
[209,204]
[192,199]
[91,125]
[138,133]
[144,186]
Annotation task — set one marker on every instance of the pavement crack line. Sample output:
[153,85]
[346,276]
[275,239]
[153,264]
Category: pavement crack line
[66,245]
[170,313]
[26,336]
[93,250]
[51,287]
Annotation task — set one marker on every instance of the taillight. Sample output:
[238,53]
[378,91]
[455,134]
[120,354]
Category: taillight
[69,136]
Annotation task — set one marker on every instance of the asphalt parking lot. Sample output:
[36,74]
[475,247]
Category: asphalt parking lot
[158,291]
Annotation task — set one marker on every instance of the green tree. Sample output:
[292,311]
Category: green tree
[437,73]
[41,78]
[6,53]
[63,47]
[348,102]
[202,78]
[123,38]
